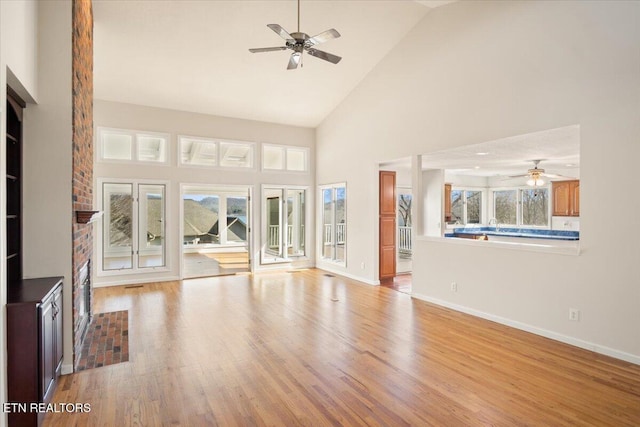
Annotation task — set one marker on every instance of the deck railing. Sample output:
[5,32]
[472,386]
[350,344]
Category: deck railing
[341,234]
[405,245]
[274,236]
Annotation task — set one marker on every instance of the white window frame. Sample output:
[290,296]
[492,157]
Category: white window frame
[135,269]
[223,195]
[285,149]
[321,231]
[483,201]
[519,212]
[135,136]
[218,144]
[265,258]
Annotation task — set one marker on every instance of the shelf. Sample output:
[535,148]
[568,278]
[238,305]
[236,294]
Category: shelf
[12,178]
[85,217]
[11,256]
[11,138]
[12,216]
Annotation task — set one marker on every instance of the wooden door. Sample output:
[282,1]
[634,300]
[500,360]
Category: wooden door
[387,227]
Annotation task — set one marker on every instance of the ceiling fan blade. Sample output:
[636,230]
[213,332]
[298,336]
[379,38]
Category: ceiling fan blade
[294,61]
[334,59]
[323,37]
[518,176]
[280,31]
[267,49]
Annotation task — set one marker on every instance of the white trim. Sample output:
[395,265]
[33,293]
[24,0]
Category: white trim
[587,345]
[99,235]
[128,281]
[329,269]
[66,369]
[285,166]
[135,135]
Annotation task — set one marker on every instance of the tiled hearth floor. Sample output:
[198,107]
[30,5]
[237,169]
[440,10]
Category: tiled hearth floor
[106,342]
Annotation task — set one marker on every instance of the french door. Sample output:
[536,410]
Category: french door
[334,223]
[284,218]
[133,228]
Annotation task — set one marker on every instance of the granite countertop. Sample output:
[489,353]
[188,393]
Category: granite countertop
[535,233]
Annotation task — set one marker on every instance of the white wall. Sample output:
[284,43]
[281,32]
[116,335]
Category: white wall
[18,36]
[472,72]
[19,46]
[47,161]
[35,60]
[175,123]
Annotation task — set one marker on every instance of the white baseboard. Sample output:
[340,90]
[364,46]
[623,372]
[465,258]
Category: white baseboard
[350,276]
[627,357]
[132,281]
[66,369]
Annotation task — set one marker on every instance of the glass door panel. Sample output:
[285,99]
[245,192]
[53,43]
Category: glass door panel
[118,226]
[341,224]
[327,223]
[273,219]
[295,222]
[151,229]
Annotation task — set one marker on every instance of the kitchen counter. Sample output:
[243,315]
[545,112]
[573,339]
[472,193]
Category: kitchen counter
[534,233]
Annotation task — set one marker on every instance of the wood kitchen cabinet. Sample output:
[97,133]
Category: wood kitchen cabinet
[566,198]
[447,203]
[34,345]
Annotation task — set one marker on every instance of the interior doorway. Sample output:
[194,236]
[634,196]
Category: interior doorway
[215,230]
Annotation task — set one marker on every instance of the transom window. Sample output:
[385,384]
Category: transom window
[214,153]
[278,157]
[123,145]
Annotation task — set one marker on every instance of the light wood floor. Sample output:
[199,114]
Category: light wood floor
[287,349]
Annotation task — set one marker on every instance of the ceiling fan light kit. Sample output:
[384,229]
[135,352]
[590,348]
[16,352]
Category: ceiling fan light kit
[535,175]
[300,42]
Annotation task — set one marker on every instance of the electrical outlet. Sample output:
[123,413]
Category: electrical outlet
[574,314]
[454,287]
[362,265]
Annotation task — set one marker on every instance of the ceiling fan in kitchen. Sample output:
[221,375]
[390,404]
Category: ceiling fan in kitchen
[535,175]
[300,42]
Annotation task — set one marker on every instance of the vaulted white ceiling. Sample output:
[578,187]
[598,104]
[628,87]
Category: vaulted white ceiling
[193,55]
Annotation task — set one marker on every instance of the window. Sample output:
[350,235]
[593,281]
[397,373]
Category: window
[404,223]
[132,146]
[284,219]
[133,235]
[466,206]
[209,152]
[334,223]
[522,207]
[505,204]
[213,218]
[535,206]
[277,157]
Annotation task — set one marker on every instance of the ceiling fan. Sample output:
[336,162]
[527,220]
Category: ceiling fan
[300,42]
[535,175]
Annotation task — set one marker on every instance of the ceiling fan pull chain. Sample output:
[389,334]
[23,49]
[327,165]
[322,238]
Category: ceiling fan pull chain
[298,15]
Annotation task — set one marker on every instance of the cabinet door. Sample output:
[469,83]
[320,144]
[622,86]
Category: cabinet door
[575,198]
[57,307]
[447,202]
[561,198]
[47,347]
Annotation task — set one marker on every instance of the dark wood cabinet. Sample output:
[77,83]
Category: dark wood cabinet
[566,198]
[34,345]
